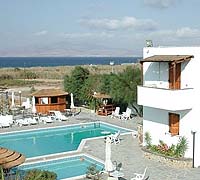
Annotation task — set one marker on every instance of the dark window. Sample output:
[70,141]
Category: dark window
[36,100]
[54,100]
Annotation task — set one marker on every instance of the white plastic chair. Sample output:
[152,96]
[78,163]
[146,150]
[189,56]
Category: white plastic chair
[126,115]
[139,176]
[115,137]
[116,113]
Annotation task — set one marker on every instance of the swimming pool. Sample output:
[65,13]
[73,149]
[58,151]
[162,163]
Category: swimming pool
[49,141]
[64,168]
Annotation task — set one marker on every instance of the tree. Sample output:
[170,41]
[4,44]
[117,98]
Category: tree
[95,83]
[124,87]
[121,87]
[90,86]
[75,82]
[105,83]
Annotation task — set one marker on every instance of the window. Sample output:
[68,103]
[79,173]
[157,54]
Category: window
[44,100]
[36,100]
[174,124]
[54,100]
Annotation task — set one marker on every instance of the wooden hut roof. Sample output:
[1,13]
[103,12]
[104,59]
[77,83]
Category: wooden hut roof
[168,58]
[49,93]
[9,158]
[101,95]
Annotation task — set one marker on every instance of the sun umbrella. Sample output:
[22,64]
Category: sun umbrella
[27,104]
[33,105]
[13,99]
[108,163]
[72,101]
[9,158]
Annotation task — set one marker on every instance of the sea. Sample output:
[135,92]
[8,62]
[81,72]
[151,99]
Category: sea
[64,61]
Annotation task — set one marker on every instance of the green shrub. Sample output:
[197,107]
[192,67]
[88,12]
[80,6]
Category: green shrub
[17,82]
[177,150]
[181,147]
[147,139]
[32,89]
[5,77]
[1,173]
[37,174]
[28,75]
[93,172]
[162,148]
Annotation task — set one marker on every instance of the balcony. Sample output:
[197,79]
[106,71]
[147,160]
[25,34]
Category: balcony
[168,99]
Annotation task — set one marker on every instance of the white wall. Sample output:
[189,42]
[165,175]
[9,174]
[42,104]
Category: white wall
[156,120]
[165,98]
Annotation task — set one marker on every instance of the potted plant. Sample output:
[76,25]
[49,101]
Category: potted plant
[92,172]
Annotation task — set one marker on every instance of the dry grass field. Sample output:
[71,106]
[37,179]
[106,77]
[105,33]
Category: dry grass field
[27,79]
[59,72]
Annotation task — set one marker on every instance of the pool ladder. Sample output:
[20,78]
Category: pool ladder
[97,125]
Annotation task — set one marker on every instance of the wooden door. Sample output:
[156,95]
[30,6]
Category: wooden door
[174,76]
[174,123]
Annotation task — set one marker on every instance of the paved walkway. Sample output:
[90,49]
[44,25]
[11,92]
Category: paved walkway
[128,152]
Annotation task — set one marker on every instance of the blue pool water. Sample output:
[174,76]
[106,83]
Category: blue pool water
[64,168]
[54,140]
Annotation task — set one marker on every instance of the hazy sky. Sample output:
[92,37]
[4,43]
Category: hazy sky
[95,27]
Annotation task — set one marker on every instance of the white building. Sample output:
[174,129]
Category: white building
[170,95]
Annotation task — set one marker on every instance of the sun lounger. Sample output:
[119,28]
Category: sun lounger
[59,116]
[4,122]
[46,119]
[32,121]
[9,118]
[22,122]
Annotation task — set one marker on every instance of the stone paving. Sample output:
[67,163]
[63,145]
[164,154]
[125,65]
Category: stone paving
[128,152]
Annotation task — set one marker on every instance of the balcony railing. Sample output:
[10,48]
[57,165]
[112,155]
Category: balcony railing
[167,99]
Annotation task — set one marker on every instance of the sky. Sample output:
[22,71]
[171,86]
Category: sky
[95,27]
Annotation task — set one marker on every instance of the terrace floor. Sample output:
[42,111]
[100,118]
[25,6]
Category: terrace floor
[128,152]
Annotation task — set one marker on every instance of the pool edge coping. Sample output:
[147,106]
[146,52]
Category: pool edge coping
[80,146]
[74,155]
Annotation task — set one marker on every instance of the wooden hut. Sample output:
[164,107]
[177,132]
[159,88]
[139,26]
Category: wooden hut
[105,109]
[50,99]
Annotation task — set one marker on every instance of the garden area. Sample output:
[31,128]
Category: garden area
[121,87]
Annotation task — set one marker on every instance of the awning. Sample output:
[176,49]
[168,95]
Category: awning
[9,158]
[168,58]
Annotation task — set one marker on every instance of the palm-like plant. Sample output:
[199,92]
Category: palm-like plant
[181,147]
[2,173]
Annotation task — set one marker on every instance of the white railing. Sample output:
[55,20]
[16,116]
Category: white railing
[167,99]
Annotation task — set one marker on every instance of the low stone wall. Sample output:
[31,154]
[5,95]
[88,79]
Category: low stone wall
[175,162]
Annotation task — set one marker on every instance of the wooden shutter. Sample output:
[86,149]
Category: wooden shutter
[178,76]
[174,76]
[174,123]
[171,76]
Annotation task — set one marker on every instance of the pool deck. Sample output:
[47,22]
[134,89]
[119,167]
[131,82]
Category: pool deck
[128,152]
